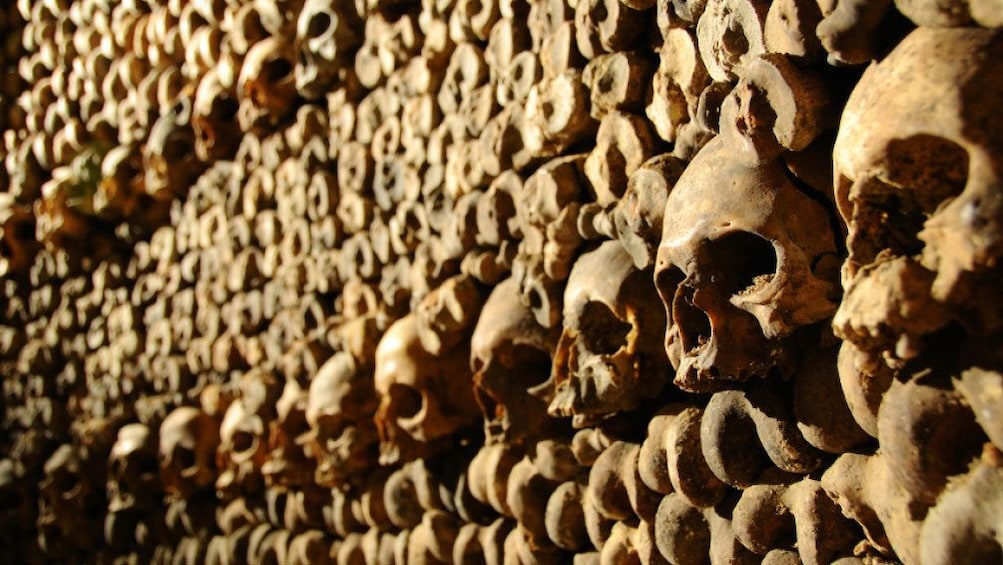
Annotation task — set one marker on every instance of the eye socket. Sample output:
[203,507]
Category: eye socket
[407,401]
[319,24]
[601,331]
[522,365]
[243,442]
[738,261]
[184,458]
[67,482]
[276,70]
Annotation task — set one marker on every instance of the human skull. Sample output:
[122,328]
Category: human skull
[242,450]
[424,400]
[66,503]
[339,411]
[326,33]
[133,481]
[17,506]
[917,178]
[745,260]
[638,215]
[169,154]
[610,355]
[188,442]
[17,236]
[214,119]
[288,461]
[510,355]
[445,315]
[266,86]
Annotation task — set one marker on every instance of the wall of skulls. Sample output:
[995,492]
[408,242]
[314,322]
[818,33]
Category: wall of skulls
[501,281]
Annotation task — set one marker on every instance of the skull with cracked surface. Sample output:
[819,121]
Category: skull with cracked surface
[746,259]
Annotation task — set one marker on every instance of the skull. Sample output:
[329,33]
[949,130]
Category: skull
[445,315]
[213,119]
[266,86]
[67,504]
[745,260]
[326,33]
[188,442]
[917,170]
[339,410]
[288,462]
[425,400]
[169,155]
[638,215]
[133,483]
[17,236]
[610,355]
[242,450]
[510,354]
[17,506]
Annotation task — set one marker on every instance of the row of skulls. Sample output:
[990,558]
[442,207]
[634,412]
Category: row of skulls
[514,231]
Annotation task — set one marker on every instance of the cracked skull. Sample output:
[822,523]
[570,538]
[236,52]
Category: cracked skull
[610,355]
[745,260]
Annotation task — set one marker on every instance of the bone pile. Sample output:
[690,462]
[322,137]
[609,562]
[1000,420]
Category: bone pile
[514,281]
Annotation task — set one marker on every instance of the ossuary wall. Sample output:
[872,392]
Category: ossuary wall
[501,281]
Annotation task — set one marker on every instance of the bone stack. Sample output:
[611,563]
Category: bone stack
[529,281]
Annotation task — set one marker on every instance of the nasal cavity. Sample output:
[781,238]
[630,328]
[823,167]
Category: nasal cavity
[692,323]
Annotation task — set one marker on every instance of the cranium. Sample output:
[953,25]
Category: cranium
[169,154]
[242,450]
[445,315]
[339,411]
[326,33]
[745,260]
[510,354]
[266,86]
[214,119]
[67,497]
[17,236]
[425,400]
[288,462]
[610,354]
[918,184]
[188,442]
[638,215]
[133,482]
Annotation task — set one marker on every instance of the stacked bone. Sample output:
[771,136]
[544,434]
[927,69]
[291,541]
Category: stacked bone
[394,282]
